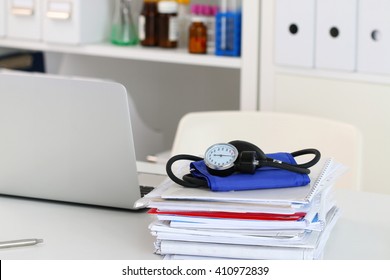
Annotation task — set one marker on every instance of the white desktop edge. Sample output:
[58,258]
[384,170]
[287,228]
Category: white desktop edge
[84,232]
[151,167]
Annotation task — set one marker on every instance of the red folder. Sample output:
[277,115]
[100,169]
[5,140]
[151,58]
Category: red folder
[232,215]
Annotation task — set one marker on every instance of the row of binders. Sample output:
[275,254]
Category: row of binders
[281,223]
[348,35]
[56,21]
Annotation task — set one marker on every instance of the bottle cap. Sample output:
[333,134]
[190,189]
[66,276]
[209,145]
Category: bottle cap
[214,10]
[195,9]
[198,19]
[205,10]
[167,7]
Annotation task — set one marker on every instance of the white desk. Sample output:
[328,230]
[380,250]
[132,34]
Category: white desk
[80,232]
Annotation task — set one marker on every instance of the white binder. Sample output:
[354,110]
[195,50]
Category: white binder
[2,18]
[336,34]
[24,19]
[294,32]
[374,37]
[76,21]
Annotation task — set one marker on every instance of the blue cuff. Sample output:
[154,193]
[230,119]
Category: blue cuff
[263,178]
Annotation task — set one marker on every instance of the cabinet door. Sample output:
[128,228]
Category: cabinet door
[294,32]
[374,36]
[336,34]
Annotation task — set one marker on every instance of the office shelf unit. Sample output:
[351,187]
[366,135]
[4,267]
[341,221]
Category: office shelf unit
[358,98]
[159,80]
[179,56]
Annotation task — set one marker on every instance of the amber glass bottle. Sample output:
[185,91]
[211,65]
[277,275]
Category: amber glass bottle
[147,23]
[167,24]
[197,41]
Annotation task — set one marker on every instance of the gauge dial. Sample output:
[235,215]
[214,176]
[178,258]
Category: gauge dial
[221,156]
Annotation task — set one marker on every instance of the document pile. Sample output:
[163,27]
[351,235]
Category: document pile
[282,223]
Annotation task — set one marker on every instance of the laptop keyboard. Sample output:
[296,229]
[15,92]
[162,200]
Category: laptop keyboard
[145,190]
[148,181]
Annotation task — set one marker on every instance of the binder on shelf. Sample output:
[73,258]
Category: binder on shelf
[24,19]
[2,18]
[76,21]
[373,37]
[336,34]
[294,32]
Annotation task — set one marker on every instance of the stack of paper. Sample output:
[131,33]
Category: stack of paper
[287,223]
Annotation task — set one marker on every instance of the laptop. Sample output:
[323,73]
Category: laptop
[70,140]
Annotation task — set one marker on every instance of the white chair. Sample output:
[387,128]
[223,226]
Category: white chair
[273,132]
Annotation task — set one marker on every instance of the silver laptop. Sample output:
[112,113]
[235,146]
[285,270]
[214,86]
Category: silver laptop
[68,140]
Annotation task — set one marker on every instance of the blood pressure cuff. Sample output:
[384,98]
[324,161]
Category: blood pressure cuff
[263,178]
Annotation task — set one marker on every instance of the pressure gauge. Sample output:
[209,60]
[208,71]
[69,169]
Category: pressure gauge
[220,156]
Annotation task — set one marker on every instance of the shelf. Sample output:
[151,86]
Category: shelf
[339,75]
[177,56]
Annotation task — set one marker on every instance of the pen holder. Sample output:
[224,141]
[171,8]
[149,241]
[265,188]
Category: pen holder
[228,34]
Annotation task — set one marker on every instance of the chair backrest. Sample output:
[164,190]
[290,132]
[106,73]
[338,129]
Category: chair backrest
[273,132]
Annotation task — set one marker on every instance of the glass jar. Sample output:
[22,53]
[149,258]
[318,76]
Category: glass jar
[123,31]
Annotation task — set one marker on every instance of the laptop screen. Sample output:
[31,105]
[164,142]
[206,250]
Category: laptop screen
[66,139]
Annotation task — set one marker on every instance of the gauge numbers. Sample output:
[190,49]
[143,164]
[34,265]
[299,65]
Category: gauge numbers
[221,156]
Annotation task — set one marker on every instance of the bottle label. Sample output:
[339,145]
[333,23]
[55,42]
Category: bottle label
[141,27]
[173,29]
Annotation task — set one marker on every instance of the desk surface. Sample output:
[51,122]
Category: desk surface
[82,232]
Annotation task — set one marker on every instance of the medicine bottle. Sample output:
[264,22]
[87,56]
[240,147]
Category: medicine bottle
[147,23]
[167,24]
[197,42]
